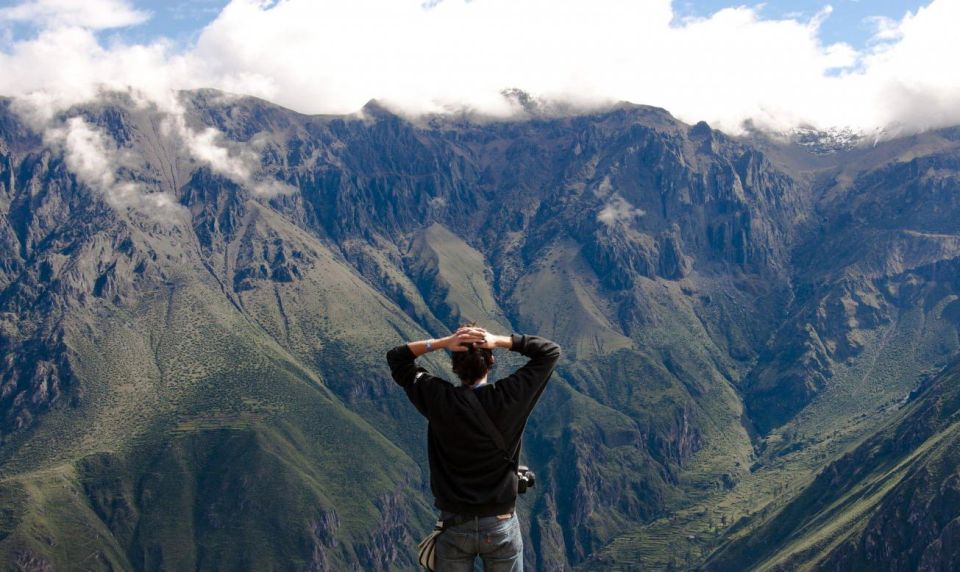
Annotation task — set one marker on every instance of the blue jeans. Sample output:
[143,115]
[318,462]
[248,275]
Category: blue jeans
[497,542]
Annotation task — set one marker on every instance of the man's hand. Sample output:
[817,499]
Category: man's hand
[493,341]
[455,341]
[466,335]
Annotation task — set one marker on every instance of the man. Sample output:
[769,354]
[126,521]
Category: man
[474,485]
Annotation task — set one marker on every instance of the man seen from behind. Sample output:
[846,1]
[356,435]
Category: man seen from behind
[474,481]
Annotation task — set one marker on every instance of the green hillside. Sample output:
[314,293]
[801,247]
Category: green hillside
[204,387]
[891,500]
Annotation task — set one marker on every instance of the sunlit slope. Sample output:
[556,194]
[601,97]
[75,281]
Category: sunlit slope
[891,502]
[560,294]
[201,441]
[454,278]
[633,420]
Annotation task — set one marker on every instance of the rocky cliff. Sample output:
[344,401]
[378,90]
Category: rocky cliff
[195,307]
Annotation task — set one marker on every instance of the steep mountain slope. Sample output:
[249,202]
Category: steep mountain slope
[185,423]
[871,318]
[877,266]
[889,504]
[195,308]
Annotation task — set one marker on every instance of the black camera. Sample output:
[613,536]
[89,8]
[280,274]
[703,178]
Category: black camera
[526,479]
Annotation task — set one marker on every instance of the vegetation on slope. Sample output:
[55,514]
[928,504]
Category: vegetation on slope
[187,384]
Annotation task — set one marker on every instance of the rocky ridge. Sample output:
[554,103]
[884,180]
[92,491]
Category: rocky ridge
[711,298]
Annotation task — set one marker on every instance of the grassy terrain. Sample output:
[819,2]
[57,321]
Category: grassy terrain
[864,395]
[195,422]
[898,480]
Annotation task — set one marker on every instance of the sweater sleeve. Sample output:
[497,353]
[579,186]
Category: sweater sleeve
[527,383]
[416,381]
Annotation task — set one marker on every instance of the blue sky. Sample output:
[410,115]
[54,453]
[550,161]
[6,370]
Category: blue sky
[179,20]
[850,21]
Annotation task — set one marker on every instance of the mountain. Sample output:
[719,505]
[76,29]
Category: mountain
[891,503]
[195,306]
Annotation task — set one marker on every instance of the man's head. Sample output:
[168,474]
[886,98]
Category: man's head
[472,365]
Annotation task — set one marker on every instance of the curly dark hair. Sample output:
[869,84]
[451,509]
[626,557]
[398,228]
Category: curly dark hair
[472,365]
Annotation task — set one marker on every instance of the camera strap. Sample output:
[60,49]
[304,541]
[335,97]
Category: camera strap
[488,424]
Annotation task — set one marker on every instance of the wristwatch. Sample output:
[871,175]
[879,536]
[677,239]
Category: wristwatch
[429,345]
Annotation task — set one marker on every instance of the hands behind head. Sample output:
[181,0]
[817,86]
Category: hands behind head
[471,335]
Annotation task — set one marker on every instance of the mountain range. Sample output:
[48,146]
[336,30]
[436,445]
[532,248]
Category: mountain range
[760,338]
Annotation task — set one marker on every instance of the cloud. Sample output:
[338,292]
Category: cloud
[884,28]
[204,146]
[97,161]
[915,86]
[619,211]
[416,56]
[93,158]
[238,162]
[421,56]
[91,14]
[63,66]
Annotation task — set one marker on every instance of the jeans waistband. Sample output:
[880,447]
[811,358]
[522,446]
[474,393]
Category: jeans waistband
[452,519]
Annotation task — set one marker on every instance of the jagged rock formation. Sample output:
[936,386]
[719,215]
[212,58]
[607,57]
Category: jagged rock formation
[192,344]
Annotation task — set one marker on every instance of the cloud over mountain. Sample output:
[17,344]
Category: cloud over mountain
[333,56]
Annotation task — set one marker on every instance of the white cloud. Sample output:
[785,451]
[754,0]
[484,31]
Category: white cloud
[204,146]
[92,14]
[619,210]
[237,161]
[65,66]
[94,160]
[916,85]
[86,152]
[884,28]
[333,56]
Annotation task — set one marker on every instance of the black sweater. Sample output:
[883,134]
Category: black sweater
[468,474]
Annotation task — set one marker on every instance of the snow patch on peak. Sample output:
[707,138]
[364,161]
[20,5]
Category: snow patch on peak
[827,141]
